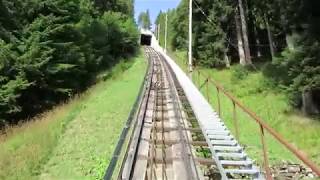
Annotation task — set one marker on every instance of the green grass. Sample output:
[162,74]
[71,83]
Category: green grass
[25,148]
[269,104]
[76,139]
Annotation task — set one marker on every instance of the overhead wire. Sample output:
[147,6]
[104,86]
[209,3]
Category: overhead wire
[207,17]
[227,40]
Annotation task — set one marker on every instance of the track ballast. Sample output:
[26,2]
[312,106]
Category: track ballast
[166,141]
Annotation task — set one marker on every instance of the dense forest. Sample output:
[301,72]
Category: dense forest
[52,49]
[282,35]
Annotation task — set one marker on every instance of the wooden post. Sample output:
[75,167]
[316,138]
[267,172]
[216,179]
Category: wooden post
[199,78]
[219,105]
[207,90]
[265,153]
[235,119]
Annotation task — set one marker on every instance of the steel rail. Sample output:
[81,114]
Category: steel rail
[148,131]
[229,156]
[193,171]
[137,129]
[154,136]
[133,112]
[163,145]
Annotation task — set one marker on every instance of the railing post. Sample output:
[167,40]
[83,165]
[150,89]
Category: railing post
[219,105]
[236,125]
[263,126]
[265,153]
[207,89]
[199,78]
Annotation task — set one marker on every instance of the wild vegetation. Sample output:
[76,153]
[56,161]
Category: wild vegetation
[282,34]
[52,49]
[253,89]
[77,138]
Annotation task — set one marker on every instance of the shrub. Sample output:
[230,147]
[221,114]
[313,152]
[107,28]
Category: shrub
[298,69]
[239,73]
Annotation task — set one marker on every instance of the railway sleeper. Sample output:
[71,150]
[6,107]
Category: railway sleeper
[169,128]
[169,160]
[172,142]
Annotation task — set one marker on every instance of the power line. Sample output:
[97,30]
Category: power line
[196,3]
[205,15]
[228,40]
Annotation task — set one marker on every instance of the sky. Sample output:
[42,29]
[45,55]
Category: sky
[154,7]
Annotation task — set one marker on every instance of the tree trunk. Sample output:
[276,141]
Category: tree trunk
[240,41]
[308,105]
[227,61]
[270,38]
[255,50]
[291,40]
[245,33]
[258,48]
[251,24]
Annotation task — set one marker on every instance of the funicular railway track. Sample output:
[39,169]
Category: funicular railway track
[162,150]
[167,141]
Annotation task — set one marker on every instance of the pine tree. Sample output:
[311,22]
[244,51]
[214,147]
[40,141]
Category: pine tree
[144,20]
[288,36]
[50,50]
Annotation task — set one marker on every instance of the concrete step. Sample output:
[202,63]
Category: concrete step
[232,155]
[224,142]
[227,148]
[242,171]
[220,137]
[236,163]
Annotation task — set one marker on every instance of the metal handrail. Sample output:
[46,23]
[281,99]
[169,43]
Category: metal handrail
[263,126]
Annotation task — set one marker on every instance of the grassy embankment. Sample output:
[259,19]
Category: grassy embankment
[268,103]
[76,139]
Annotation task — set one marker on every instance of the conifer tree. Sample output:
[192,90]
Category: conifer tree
[50,50]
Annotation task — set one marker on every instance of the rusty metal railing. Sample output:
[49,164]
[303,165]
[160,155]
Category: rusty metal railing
[263,127]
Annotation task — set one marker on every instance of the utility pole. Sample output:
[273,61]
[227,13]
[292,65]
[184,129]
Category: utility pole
[159,32]
[190,36]
[156,31]
[166,34]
